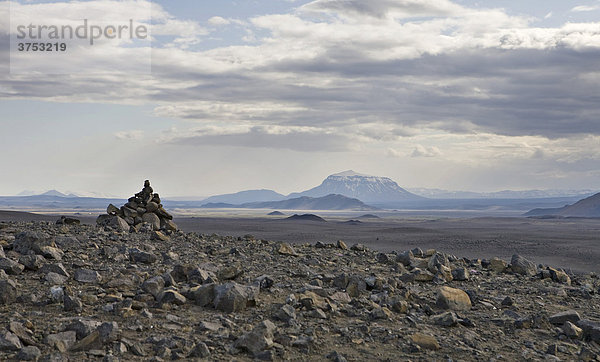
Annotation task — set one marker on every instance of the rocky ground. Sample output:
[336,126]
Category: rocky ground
[81,292]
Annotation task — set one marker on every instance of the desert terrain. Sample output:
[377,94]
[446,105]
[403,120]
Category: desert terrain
[571,243]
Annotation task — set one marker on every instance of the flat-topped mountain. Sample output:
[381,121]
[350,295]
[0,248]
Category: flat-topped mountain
[369,189]
[588,207]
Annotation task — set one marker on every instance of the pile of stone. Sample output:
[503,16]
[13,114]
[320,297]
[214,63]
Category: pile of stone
[144,208]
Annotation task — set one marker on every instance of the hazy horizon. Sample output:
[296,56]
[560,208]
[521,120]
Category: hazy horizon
[455,95]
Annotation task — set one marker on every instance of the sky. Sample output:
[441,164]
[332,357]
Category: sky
[234,95]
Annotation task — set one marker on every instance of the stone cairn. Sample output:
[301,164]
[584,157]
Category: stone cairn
[144,208]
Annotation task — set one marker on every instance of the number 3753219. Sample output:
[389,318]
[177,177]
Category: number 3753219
[42,47]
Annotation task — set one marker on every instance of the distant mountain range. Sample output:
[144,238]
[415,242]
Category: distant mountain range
[329,202]
[505,194]
[588,207]
[244,197]
[347,190]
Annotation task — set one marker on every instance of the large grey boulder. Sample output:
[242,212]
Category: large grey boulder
[234,297]
[520,265]
[31,241]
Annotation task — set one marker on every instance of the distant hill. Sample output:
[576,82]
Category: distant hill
[368,216]
[329,202]
[588,207]
[369,189]
[276,213]
[244,197]
[56,193]
[306,217]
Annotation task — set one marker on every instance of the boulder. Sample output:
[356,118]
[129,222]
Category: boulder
[562,317]
[152,219]
[497,265]
[257,340]
[234,297]
[8,291]
[453,299]
[31,241]
[425,341]
[520,265]
[11,267]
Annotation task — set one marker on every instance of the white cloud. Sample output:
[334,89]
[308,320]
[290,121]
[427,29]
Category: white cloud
[130,135]
[584,8]
[422,151]
[218,21]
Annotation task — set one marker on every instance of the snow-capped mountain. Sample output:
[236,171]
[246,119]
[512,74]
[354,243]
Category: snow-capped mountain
[363,187]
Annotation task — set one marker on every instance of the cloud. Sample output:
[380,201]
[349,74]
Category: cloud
[422,151]
[130,135]
[218,21]
[304,139]
[584,8]
[356,79]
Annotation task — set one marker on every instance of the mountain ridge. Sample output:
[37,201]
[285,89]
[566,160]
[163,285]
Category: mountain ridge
[588,207]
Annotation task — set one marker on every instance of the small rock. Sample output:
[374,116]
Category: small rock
[32,262]
[336,357]
[405,258]
[29,353]
[51,252]
[24,334]
[257,340]
[55,279]
[453,299]
[229,272]
[460,274]
[109,331]
[559,276]
[425,341]
[341,245]
[285,313]
[507,302]
[138,256]
[572,331]
[8,291]
[83,327]
[171,297]
[61,341]
[448,319]
[286,249]
[9,341]
[87,276]
[11,266]
[57,294]
[157,235]
[72,304]
[203,295]
[560,318]
[55,268]
[497,265]
[154,286]
[152,219]
[200,350]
